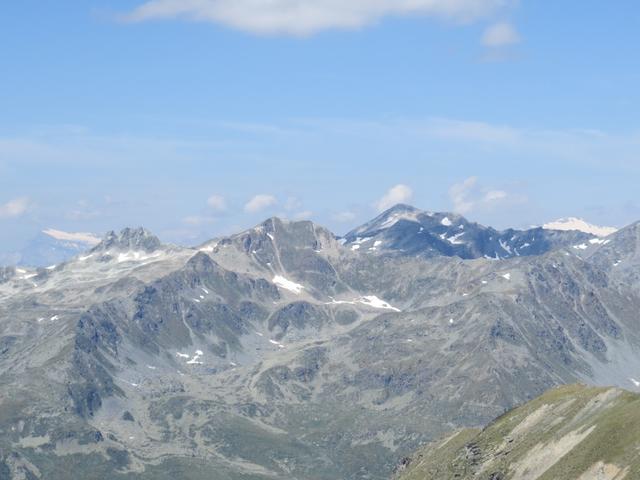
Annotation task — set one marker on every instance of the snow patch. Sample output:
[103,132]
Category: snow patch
[368,300]
[505,247]
[375,302]
[282,282]
[580,225]
[277,344]
[446,222]
[454,239]
[396,217]
[136,256]
[196,358]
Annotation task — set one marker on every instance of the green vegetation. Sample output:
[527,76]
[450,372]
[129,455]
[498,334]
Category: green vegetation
[571,432]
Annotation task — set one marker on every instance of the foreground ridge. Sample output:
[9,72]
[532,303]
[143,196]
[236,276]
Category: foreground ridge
[570,433]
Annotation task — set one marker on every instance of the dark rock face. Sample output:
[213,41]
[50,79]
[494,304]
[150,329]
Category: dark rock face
[298,316]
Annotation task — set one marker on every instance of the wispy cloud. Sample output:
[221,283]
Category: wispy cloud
[307,17]
[397,194]
[14,208]
[259,203]
[217,203]
[500,35]
[469,195]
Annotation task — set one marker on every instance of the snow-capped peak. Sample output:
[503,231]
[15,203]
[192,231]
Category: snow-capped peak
[82,237]
[580,225]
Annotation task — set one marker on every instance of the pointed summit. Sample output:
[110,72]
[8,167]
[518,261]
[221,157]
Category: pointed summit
[387,219]
[139,239]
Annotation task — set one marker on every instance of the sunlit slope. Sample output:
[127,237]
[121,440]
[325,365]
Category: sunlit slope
[572,432]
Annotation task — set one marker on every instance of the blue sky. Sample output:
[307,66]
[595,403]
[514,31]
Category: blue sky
[176,114]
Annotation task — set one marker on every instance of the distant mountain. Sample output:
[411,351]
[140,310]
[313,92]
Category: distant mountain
[618,255]
[130,239]
[405,230]
[279,352]
[569,433]
[579,225]
[52,246]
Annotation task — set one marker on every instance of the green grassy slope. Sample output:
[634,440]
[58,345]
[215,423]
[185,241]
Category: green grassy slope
[569,433]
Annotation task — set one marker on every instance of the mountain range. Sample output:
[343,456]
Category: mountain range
[288,352]
[405,230]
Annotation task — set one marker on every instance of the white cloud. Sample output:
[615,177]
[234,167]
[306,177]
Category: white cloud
[344,217]
[259,203]
[459,194]
[495,195]
[398,194]
[500,35]
[14,208]
[306,17]
[217,202]
[468,195]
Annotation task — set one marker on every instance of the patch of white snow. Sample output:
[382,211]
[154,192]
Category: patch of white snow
[282,282]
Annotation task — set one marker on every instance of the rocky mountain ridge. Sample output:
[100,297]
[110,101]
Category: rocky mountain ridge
[405,230]
[281,353]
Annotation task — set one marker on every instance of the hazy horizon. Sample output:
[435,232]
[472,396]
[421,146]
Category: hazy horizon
[195,120]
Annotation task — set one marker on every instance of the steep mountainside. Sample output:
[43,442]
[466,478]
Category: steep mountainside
[569,433]
[405,230]
[619,255]
[281,353]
